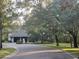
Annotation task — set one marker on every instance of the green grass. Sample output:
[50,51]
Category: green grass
[61,45]
[74,51]
[64,46]
[6,51]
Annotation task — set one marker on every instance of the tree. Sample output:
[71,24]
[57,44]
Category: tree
[42,17]
[2,7]
[68,17]
[71,23]
[49,17]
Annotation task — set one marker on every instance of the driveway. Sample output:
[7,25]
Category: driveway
[32,51]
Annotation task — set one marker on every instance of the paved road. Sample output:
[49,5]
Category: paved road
[31,51]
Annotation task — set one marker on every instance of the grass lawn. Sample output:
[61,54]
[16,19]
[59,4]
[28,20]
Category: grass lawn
[6,51]
[74,51]
[66,47]
[61,45]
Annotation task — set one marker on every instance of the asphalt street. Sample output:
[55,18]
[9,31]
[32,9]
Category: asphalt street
[32,51]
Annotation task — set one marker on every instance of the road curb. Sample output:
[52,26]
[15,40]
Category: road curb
[73,56]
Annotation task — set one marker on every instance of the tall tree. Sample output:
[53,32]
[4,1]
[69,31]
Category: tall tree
[42,17]
[68,17]
[3,4]
[71,19]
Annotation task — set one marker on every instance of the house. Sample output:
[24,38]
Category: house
[18,36]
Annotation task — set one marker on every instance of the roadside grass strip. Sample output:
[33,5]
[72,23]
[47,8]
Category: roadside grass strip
[6,51]
[73,51]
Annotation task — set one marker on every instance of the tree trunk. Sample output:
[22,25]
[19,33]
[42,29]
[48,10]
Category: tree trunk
[0,33]
[71,41]
[42,40]
[57,41]
[0,38]
[74,35]
[75,41]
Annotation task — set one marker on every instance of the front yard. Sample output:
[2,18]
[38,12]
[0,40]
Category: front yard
[65,47]
[6,51]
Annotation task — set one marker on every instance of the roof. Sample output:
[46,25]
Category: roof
[19,33]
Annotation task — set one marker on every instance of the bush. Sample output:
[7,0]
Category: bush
[19,42]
